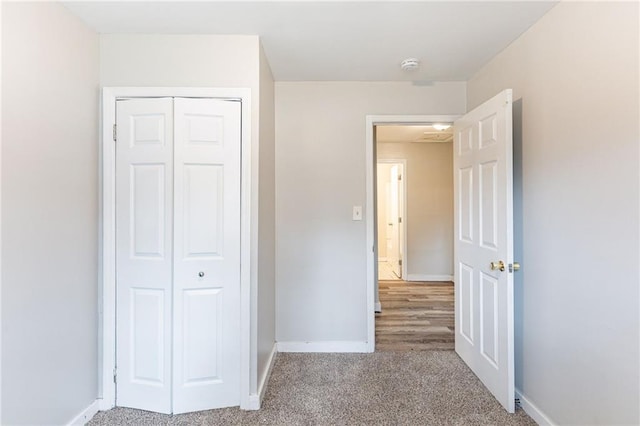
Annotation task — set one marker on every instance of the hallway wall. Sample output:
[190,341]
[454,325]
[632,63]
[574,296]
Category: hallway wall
[429,216]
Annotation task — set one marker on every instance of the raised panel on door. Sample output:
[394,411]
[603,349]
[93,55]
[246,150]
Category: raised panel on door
[147,201]
[206,254]
[144,165]
[465,312]
[203,209]
[465,203]
[147,336]
[488,304]
[488,204]
[202,310]
[484,234]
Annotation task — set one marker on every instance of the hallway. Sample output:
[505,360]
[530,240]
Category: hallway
[416,316]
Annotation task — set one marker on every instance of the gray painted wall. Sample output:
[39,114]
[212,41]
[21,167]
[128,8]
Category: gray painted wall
[49,214]
[267,251]
[429,216]
[320,175]
[575,80]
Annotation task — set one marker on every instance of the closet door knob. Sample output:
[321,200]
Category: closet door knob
[201,274]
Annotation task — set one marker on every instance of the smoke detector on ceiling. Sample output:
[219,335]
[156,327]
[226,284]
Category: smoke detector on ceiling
[410,64]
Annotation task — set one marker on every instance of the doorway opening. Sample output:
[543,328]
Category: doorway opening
[482,158]
[396,140]
[414,167]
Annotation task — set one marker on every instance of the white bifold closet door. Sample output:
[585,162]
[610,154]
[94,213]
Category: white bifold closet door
[178,254]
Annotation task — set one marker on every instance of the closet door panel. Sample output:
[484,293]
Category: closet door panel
[144,259]
[206,254]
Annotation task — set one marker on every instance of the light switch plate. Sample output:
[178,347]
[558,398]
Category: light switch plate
[357,212]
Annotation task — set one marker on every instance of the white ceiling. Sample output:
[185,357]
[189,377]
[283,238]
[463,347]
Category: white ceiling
[339,40]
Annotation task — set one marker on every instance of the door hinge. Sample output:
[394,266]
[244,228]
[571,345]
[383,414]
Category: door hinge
[114,133]
[517,401]
[399,177]
[400,262]
[115,375]
[399,220]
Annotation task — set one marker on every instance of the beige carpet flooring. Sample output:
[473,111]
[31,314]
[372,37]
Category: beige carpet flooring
[382,388]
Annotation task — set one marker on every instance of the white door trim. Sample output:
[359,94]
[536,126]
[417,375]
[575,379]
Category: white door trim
[403,234]
[370,162]
[107,284]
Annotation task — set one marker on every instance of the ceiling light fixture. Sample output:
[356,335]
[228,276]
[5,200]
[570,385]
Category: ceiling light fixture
[441,126]
[410,64]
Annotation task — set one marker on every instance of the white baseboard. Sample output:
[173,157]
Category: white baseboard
[104,405]
[377,307]
[85,415]
[534,412]
[422,277]
[254,402]
[264,380]
[327,346]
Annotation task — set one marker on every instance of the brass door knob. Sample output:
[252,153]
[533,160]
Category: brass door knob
[515,266]
[497,266]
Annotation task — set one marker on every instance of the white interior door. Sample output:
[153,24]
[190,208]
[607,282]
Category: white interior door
[144,257]
[206,255]
[484,244]
[178,254]
[400,219]
[393,227]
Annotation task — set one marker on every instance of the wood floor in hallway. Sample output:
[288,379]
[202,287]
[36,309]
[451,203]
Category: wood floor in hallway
[415,316]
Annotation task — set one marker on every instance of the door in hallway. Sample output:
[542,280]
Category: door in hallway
[394,252]
[390,194]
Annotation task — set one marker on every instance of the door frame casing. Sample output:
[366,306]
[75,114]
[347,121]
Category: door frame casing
[370,222]
[107,258]
[403,206]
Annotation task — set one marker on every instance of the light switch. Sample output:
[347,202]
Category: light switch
[357,212]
